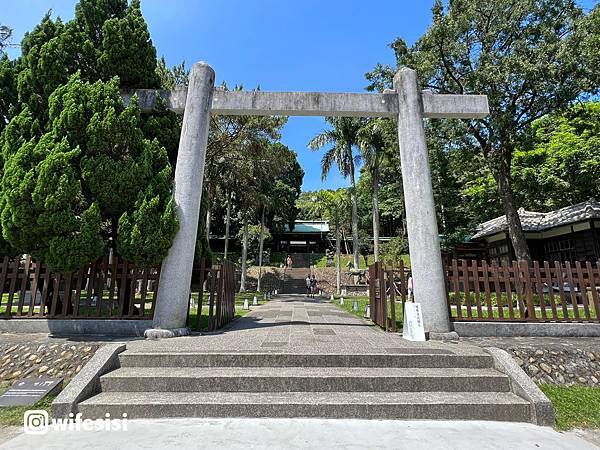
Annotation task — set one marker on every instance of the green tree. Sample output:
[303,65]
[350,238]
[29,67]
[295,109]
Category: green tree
[374,139]
[104,39]
[333,206]
[393,251]
[307,208]
[8,92]
[558,167]
[111,186]
[92,177]
[244,163]
[283,192]
[5,37]
[563,166]
[343,137]
[254,232]
[529,57]
[174,77]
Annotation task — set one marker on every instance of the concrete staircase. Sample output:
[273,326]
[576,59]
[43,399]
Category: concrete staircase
[414,384]
[295,280]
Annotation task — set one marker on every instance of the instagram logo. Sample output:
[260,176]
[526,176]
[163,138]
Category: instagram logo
[35,421]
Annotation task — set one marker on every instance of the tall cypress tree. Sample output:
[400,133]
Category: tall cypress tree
[81,175]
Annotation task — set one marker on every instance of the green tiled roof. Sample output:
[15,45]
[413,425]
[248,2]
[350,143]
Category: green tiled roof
[309,226]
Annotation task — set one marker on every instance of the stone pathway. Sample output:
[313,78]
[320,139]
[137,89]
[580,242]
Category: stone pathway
[296,324]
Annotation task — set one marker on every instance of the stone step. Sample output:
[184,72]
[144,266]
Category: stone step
[503,406]
[403,357]
[300,379]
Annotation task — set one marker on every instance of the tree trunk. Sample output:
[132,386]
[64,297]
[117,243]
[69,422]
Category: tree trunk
[376,212]
[515,229]
[346,243]
[338,256]
[355,249]
[244,257]
[208,224]
[260,248]
[227,224]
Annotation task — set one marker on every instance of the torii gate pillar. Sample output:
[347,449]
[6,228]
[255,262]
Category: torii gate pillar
[423,238]
[170,315]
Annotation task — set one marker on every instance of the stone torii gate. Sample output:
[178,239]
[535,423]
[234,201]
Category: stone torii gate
[406,102]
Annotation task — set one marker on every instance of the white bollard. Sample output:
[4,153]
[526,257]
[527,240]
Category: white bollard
[367,311]
[332,298]
[341,300]
[355,305]
[246,307]
[275,291]
[192,304]
[255,301]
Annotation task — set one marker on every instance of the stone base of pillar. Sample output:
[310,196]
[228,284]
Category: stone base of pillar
[449,336]
[161,333]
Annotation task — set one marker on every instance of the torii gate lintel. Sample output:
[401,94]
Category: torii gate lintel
[263,103]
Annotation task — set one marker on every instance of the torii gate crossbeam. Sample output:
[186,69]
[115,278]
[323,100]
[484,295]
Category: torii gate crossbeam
[261,103]
[406,103]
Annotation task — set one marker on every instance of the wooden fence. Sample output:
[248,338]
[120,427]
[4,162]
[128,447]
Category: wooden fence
[220,281]
[105,289]
[519,291]
[386,286]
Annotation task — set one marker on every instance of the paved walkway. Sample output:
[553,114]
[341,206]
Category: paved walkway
[296,324]
[308,434]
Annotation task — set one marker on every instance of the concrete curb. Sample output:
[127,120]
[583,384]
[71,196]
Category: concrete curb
[72,327]
[161,333]
[542,412]
[87,382]
[507,329]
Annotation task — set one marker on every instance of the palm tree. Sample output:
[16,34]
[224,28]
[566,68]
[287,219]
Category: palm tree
[342,137]
[373,139]
[333,205]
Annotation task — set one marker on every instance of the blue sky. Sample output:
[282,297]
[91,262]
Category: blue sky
[294,45]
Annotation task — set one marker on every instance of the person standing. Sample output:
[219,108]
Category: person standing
[289,262]
[308,285]
[313,285]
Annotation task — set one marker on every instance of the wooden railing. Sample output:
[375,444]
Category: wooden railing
[220,282]
[386,286]
[519,291]
[105,289]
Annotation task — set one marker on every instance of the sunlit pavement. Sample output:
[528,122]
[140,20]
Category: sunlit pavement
[307,433]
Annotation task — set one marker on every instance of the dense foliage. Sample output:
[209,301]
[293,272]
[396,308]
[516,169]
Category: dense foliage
[82,172]
[531,58]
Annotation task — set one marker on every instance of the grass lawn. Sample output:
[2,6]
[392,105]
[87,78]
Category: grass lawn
[13,415]
[574,406]
[83,309]
[362,303]
[239,312]
[517,312]
[535,299]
